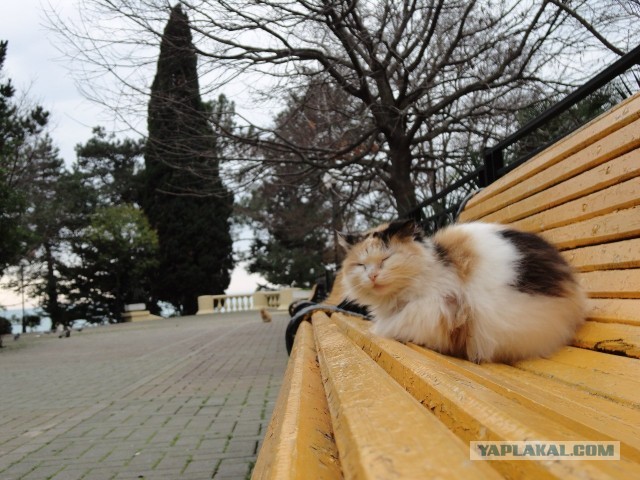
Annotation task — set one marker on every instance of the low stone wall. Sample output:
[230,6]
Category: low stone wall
[276,300]
[139,316]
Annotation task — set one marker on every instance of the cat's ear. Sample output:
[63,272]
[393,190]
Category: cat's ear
[407,228]
[347,240]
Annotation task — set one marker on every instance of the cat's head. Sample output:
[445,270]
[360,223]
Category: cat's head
[383,261]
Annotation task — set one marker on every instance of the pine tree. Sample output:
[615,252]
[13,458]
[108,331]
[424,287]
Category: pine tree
[115,256]
[290,222]
[193,229]
[47,220]
[17,127]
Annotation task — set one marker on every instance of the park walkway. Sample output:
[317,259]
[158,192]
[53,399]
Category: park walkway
[183,398]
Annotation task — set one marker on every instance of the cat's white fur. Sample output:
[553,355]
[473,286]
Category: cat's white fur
[419,298]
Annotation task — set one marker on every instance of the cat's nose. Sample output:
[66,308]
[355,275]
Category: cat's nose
[373,276]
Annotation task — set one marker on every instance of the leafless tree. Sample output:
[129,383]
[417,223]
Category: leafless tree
[420,78]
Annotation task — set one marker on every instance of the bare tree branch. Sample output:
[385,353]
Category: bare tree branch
[426,80]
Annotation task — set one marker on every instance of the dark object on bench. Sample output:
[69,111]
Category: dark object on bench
[303,310]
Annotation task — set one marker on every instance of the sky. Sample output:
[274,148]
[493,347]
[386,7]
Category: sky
[39,71]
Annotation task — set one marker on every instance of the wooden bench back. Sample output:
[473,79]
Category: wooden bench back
[583,195]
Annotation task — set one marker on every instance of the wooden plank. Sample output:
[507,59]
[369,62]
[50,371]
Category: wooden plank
[588,414]
[614,338]
[607,386]
[616,144]
[473,411]
[299,440]
[610,256]
[612,283]
[619,225]
[623,367]
[381,431]
[624,195]
[611,173]
[619,116]
[615,310]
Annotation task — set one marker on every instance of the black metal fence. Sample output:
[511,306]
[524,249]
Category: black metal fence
[494,164]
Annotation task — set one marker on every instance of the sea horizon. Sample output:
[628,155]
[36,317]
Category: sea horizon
[16,326]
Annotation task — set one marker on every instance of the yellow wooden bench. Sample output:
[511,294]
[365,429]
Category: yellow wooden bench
[354,405]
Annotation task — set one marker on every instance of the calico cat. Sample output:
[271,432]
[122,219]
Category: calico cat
[480,291]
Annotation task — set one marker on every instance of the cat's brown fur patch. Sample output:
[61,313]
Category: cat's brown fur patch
[458,328]
[457,248]
[542,270]
[458,338]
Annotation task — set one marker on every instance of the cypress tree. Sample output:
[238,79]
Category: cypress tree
[182,162]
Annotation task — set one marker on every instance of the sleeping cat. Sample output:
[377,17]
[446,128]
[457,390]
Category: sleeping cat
[480,291]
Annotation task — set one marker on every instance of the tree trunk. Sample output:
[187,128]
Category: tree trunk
[400,182]
[52,305]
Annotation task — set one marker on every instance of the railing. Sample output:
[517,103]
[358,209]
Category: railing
[494,165]
[279,300]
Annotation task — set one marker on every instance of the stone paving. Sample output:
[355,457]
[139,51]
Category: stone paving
[182,398]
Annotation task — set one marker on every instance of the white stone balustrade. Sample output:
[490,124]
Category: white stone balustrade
[280,300]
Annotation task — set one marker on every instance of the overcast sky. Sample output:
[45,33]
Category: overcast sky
[38,70]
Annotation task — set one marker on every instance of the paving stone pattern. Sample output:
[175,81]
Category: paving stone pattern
[184,398]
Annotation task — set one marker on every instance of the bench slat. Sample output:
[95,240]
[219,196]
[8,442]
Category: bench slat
[614,310]
[612,283]
[614,226]
[625,368]
[599,203]
[612,120]
[607,386]
[606,175]
[475,412]
[614,338]
[299,440]
[590,415]
[616,144]
[610,256]
[381,431]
